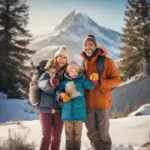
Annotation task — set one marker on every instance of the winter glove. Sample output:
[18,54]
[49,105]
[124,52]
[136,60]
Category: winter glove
[94,78]
[95,82]
[54,82]
[64,97]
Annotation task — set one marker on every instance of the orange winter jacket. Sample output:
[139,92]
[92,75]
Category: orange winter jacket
[100,97]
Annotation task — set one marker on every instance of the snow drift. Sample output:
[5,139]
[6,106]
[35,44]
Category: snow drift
[133,93]
[15,110]
[143,110]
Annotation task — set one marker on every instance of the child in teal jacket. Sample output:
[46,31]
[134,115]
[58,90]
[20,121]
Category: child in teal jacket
[71,92]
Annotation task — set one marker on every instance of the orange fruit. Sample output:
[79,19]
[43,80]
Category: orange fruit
[94,76]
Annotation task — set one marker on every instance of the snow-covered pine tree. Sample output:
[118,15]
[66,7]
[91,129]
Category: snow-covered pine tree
[135,52]
[130,59]
[143,13]
[14,54]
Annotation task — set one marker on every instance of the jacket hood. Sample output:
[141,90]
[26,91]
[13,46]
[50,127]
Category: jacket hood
[101,51]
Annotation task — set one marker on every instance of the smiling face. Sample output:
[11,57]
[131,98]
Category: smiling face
[61,60]
[89,47]
[73,73]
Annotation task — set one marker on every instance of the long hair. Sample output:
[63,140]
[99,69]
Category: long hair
[51,64]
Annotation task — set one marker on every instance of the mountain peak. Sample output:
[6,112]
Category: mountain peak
[76,12]
[74,15]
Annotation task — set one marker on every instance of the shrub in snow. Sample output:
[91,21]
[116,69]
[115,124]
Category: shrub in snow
[127,111]
[146,145]
[124,113]
[17,142]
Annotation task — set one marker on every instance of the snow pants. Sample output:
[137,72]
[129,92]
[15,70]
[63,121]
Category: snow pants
[51,131]
[97,124]
[73,132]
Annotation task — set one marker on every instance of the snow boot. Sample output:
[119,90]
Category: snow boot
[107,146]
[97,145]
[77,145]
[69,145]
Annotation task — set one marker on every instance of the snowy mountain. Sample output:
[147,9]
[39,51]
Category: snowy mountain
[71,32]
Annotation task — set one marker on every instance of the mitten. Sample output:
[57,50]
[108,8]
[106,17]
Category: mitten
[54,82]
[64,97]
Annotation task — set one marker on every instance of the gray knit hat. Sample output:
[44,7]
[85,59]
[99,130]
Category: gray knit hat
[90,37]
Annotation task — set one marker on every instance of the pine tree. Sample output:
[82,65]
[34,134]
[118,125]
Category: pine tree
[144,33]
[14,54]
[132,54]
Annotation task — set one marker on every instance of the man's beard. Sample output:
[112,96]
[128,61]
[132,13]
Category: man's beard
[89,54]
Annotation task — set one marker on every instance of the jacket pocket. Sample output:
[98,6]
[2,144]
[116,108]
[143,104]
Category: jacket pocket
[103,100]
[47,100]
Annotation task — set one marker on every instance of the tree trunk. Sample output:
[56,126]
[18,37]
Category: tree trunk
[146,67]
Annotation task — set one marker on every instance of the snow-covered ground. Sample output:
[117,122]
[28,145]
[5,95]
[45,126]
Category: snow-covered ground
[143,110]
[15,109]
[127,133]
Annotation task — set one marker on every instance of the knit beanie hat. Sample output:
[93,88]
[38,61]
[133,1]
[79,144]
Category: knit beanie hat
[73,65]
[90,37]
[63,50]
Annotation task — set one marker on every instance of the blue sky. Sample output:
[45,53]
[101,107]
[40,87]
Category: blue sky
[46,14]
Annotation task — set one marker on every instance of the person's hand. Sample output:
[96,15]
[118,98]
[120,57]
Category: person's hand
[53,110]
[64,97]
[54,82]
[94,78]
[95,82]
[32,83]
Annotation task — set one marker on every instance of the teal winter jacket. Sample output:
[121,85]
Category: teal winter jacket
[75,108]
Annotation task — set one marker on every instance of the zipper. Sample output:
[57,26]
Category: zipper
[94,88]
[72,113]
[97,90]
[72,110]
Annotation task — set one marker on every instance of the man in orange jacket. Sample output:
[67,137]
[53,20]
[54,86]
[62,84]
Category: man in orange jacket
[99,99]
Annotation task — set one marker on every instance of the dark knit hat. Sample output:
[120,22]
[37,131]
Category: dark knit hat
[92,38]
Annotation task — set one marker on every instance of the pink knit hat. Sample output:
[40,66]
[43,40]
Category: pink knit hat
[72,65]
